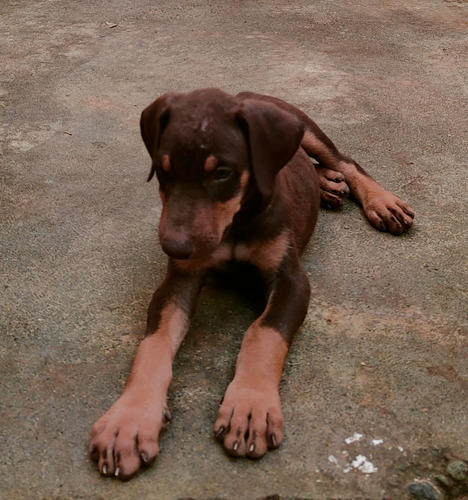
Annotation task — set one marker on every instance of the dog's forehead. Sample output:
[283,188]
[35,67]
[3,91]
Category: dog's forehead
[203,112]
[204,121]
[205,100]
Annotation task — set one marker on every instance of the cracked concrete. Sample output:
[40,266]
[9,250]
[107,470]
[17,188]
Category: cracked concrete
[383,351]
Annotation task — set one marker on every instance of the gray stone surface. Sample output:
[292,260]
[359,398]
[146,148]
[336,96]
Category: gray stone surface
[383,352]
[423,490]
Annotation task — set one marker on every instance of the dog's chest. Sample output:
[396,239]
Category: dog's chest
[266,255]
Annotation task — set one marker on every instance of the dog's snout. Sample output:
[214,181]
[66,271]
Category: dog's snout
[177,248]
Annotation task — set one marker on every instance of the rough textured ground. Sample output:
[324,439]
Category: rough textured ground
[383,352]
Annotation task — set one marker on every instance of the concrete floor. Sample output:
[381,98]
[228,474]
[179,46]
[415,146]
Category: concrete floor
[383,351]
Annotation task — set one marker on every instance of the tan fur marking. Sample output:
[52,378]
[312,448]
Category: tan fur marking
[266,256]
[153,361]
[166,163]
[362,186]
[262,355]
[174,325]
[315,147]
[213,220]
[245,176]
[210,164]
[221,255]
[225,211]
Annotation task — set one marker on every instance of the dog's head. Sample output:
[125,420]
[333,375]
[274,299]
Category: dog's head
[208,150]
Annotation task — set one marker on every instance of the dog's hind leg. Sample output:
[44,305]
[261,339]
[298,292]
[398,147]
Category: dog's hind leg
[384,210]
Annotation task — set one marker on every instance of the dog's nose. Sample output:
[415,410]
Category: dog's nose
[177,248]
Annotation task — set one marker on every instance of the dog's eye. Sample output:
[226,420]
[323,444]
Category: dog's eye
[222,173]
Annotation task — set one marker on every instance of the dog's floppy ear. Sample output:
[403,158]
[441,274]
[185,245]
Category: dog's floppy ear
[153,121]
[273,135]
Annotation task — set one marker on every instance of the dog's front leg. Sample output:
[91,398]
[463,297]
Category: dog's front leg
[250,419]
[126,436]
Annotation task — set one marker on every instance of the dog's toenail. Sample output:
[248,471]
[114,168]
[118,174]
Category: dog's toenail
[116,474]
[144,457]
[273,440]
[219,431]
[236,446]
[104,469]
[166,416]
[252,447]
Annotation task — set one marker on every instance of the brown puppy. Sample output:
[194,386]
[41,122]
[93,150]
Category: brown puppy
[236,182]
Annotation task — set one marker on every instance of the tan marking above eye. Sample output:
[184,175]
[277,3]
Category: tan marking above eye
[245,176]
[166,163]
[210,164]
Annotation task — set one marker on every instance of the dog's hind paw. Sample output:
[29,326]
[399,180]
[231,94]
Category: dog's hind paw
[386,212]
[333,187]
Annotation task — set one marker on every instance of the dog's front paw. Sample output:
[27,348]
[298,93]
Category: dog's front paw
[249,420]
[386,212]
[126,437]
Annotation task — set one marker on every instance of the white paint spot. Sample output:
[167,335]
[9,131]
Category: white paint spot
[24,140]
[333,460]
[365,466]
[22,145]
[355,437]
[204,125]
[376,442]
